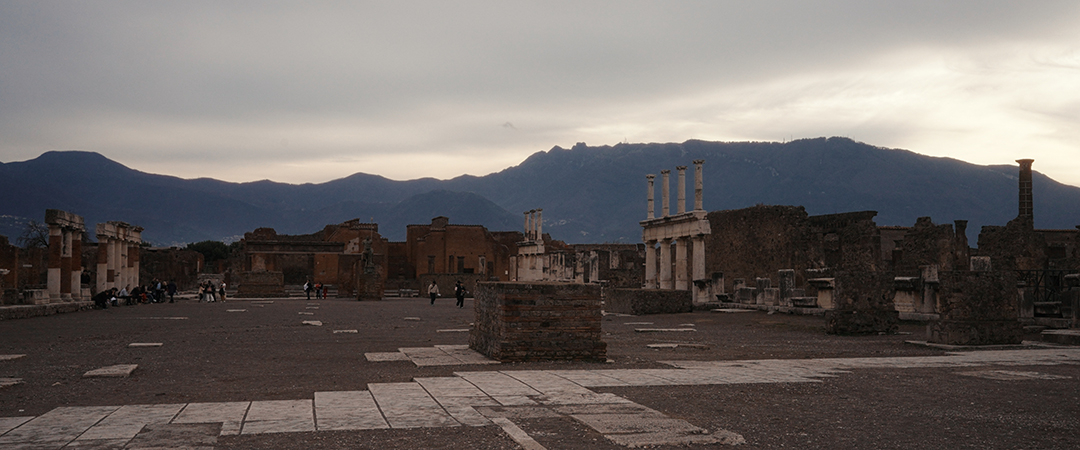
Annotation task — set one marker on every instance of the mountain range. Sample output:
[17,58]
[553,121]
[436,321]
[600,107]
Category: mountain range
[588,194]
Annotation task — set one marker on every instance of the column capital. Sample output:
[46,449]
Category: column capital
[650,177]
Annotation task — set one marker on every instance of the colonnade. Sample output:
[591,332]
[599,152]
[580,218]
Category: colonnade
[534,224]
[684,230]
[118,255]
[64,279]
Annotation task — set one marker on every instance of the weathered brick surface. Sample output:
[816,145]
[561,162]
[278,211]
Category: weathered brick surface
[538,321]
[648,301]
[863,304]
[976,308]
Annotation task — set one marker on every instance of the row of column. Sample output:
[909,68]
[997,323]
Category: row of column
[674,274]
[666,194]
[64,277]
[118,255]
[534,224]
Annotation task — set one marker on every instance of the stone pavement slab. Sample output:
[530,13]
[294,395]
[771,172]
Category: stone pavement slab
[8,382]
[9,423]
[429,356]
[517,434]
[386,356]
[187,436]
[347,410]
[664,330]
[589,378]
[10,357]
[56,428]
[408,405]
[279,416]
[547,383]
[117,371]
[126,422]
[229,414]
[145,344]
[345,331]
[235,310]
[497,384]
[466,355]
[314,323]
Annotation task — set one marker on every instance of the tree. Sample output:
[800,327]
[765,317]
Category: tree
[211,250]
[36,235]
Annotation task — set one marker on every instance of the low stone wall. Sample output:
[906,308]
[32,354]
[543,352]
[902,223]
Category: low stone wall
[25,311]
[538,321]
[647,301]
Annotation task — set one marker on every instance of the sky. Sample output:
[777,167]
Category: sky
[304,92]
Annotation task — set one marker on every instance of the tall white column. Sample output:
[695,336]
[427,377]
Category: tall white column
[698,184]
[650,265]
[665,264]
[527,226]
[681,274]
[540,223]
[682,188]
[698,256]
[651,213]
[665,193]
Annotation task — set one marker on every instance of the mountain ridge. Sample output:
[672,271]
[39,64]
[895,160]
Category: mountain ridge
[588,194]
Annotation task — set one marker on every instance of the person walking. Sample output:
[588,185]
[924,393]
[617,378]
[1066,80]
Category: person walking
[433,291]
[459,293]
[172,291]
[307,289]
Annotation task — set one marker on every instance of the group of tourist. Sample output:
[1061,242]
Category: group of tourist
[151,293]
[209,292]
[459,293]
[319,289]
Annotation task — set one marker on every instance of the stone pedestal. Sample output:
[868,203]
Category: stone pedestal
[977,308]
[261,284]
[538,322]
[369,287]
[864,304]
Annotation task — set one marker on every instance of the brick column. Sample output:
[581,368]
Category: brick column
[698,184]
[76,267]
[1027,207]
[651,213]
[650,265]
[56,252]
[665,264]
[682,189]
[681,274]
[665,192]
[114,264]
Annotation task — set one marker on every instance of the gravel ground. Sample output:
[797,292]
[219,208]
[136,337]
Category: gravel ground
[266,353]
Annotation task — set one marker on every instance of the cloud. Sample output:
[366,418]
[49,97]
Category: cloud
[306,93]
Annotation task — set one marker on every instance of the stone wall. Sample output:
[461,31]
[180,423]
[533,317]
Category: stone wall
[647,301]
[538,321]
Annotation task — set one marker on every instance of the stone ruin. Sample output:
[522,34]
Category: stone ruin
[538,321]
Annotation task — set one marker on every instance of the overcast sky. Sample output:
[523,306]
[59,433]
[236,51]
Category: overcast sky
[300,92]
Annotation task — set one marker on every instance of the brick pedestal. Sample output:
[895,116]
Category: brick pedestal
[261,284]
[537,321]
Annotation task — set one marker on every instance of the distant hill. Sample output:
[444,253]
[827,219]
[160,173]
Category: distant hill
[588,194]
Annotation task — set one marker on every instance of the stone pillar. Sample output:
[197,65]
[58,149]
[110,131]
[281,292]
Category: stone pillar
[102,263]
[682,189]
[56,251]
[76,267]
[114,263]
[698,184]
[1027,208]
[527,226]
[65,265]
[665,193]
[665,264]
[133,262]
[540,224]
[681,274]
[697,254]
[651,213]
[650,265]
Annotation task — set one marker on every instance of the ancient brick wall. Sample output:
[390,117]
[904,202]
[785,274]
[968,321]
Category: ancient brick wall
[175,264]
[1015,246]
[757,241]
[863,304]
[647,301]
[538,322]
[929,244]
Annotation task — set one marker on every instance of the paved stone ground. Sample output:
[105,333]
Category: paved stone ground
[262,379]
